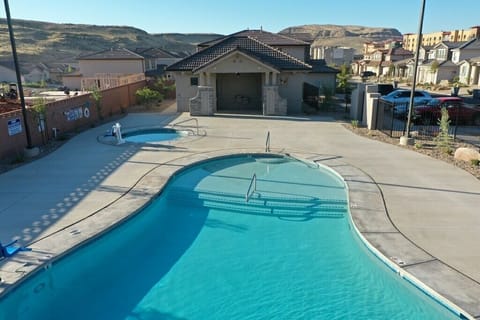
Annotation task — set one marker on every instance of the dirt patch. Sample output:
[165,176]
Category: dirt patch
[427,147]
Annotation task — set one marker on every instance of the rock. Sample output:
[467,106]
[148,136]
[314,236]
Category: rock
[466,154]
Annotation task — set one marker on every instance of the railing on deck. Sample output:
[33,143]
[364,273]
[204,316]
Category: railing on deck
[188,120]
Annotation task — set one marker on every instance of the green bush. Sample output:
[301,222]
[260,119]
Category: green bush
[148,97]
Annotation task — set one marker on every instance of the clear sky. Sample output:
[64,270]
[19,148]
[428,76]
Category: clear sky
[227,16]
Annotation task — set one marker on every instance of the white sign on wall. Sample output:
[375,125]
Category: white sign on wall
[14,126]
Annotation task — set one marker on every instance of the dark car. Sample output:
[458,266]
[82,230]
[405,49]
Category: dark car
[366,74]
[458,112]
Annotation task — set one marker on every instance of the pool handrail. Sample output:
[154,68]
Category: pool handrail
[188,120]
[267,142]
[253,183]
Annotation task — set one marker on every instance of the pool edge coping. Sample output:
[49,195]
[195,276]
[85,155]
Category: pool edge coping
[33,262]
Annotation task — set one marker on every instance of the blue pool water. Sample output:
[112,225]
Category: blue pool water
[199,251]
[152,135]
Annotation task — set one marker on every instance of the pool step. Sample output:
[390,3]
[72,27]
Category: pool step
[294,207]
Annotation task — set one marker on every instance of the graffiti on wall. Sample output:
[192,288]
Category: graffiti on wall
[79,112]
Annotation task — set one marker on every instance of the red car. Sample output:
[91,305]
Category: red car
[458,112]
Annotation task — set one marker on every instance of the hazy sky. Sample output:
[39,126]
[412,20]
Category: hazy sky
[227,16]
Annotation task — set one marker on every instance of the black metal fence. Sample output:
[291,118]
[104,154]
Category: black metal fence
[463,126]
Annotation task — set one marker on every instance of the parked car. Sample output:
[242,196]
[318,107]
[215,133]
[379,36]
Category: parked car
[366,74]
[458,112]
[400,99]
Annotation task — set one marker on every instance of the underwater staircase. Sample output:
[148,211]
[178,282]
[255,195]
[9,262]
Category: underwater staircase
[261,203]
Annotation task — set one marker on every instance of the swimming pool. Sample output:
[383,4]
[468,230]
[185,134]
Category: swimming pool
[200,251]
[153,135]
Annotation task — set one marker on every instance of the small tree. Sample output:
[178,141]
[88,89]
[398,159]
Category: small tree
[444,140]
[434,66]
[97,96]
[148,97]
[342,82]
[40,115]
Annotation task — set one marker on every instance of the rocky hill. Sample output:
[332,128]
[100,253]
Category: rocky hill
[348,36]
[52,42]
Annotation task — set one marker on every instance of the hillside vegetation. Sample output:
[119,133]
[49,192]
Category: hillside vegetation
[53,42]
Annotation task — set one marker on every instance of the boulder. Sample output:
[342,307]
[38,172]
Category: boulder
[466,154]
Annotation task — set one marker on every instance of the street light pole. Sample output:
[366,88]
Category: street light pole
[19,77]
[414,83]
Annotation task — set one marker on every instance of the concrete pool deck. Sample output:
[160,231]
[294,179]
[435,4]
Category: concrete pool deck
[421,213]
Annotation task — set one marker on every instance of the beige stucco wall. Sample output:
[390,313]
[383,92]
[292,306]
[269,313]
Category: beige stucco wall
[294,51]
[74,82]
[292,90]
[185,91]
[89,68]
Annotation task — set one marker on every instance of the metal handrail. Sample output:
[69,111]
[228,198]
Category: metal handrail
[253,183]
[267,142]
[187,120]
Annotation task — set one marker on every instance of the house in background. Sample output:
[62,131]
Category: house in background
[467,57]
[157,60]
[36,72]
[7,72]
[469,72]
[106,69]
[439,65]
[252,71]
[333,55]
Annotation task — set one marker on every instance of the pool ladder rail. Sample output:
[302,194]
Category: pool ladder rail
[188,120]
[251,188]
[267,142]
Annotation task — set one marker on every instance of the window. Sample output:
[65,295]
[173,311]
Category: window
[441,54]
[194,81]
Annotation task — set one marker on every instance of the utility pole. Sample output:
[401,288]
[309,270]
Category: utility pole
[407,139]
[19,76]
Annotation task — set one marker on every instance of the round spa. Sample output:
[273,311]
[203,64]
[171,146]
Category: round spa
[152,135]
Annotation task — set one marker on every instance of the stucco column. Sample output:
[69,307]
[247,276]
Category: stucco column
[474,76]
[208,80]
[267,78]
[202,79]
[274,78]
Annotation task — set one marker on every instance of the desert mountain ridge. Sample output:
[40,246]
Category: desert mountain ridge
[48,42]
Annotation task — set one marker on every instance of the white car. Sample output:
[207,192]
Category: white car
[400,99]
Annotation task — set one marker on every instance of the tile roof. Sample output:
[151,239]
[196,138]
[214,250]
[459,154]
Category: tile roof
[320,66]
[246,44]
[271,39]
[472,44]
[113,54]
[155,53]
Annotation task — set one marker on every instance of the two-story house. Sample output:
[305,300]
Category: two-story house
[438,66]
[467,57]
[106,69]
[157,60]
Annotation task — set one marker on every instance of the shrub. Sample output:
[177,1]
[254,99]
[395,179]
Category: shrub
[443,139]
[354,123]
[475,162]
[148,97]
